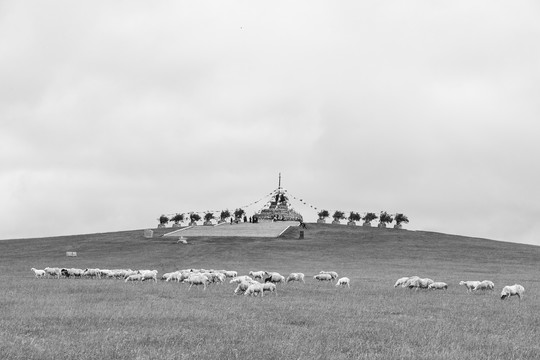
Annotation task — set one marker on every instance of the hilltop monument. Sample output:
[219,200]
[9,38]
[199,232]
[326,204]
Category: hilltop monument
[280,209]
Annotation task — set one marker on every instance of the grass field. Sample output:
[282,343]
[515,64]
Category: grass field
[111,319]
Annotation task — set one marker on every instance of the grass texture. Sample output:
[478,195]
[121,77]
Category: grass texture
[111,319]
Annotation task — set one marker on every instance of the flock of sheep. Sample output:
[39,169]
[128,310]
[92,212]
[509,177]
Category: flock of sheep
[246,284]
[415,282]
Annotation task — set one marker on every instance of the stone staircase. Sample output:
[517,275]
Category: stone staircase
[262,229]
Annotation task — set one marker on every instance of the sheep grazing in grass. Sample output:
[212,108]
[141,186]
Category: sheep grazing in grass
[71,272]
[323,277]
[470,284]
[409,281]
[438,286]
[333,274]
[269,287]
[197,279]
[239,279]
[509,291]
[344,281]
[149,275]
[39,273]
[275,278]
[54,272]
[92,273]
[420,283]
[401,281]
[258,274]
[134,277]
[243,286]
[230,274]
[485,285]
[295,277]
[254,289]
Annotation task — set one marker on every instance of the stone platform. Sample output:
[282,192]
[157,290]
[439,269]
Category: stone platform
[262,229]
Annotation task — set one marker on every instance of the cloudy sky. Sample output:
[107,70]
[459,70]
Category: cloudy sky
[112,113]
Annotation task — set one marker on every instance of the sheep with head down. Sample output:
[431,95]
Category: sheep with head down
[274,278]
[38,273]
[402,281]
[344,281]
[514,290]
[258,274]
[243,286]
[438,285]
[295,277]
[239,279]
[333,274]
[469,284]
[323,277]
[485,285]
[269,287]
[197,280]
[254,289]
[420,283]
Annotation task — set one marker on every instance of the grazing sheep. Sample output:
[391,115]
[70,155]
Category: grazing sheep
[438,286]
[92,273]
[129,273]
[420,283]
[243,285]
[344,281]
[275,278]
[408,282]
[149,275]
[401,281]
[230,274]
[295,277]
[485,285]
[254,289]
[134,277]
[258,274]
[269,287]
[52,272]
[470,285]
[197,279]
[39,273]
[509,291]
[239,279]
[323,277]
[333,274]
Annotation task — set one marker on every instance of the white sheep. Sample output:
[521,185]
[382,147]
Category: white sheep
[53,272]
[72,272]
[239,279]
[401,281]
[254,289]
[230,274]
[243,285]
[134,277]
[39,273]
[197,279]
[485,285]
[323,277]
[470,284]
[333,274]
[509,291]
[269,287]
[409,281]
[149,275]
[344,281]
[275,278]
[438,286]
[92,273]
[420,283]
[295,277]
[258,274]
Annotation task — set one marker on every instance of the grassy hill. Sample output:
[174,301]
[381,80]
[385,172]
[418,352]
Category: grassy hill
[372,320]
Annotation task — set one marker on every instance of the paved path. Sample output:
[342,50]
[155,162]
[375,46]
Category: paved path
[262,229]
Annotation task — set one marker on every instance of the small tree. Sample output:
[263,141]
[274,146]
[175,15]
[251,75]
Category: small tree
[368,218]
[194,217]
[400,218]
[354,216]
[163,220]
[224,214]
[323,214]
[208,216]
[177,218]
[384,219]
[238,213]
[338,215]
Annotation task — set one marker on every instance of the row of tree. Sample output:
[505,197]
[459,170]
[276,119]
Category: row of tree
[194,217]
[384,217]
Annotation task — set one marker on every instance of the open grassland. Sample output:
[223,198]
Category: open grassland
[111,319]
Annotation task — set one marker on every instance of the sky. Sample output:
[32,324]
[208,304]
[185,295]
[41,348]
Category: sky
[113,113]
